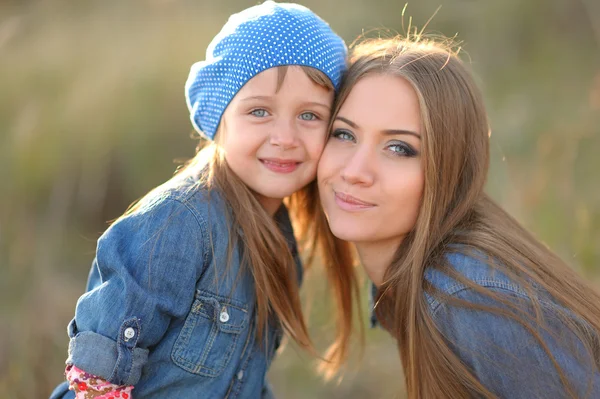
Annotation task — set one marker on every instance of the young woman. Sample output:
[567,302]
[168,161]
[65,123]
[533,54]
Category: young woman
[192,288]
[478,306]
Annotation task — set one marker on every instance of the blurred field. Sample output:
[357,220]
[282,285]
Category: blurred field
[92,115]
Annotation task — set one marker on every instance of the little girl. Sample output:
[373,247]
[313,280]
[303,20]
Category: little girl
[191,288]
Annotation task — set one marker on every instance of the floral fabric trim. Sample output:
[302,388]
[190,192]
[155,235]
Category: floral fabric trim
[88,386]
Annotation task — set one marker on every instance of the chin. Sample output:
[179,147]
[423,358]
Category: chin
[348,233]
[277,192]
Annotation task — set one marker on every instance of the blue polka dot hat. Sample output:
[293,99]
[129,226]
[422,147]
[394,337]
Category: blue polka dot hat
[260,37]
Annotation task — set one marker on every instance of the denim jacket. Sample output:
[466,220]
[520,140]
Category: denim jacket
[500,352]
[162,310]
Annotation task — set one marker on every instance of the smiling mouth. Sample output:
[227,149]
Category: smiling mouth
[350,203]
[280,165]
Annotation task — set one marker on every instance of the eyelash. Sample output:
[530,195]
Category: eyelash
[337,133]
[253,112]
[315,117]
[407,150]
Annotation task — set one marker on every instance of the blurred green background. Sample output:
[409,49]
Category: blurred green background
[92,115]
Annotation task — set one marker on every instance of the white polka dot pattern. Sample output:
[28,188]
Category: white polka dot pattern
[258,38]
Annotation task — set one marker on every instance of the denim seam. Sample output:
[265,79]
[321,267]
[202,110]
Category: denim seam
[459,287]
[237,384]
[183,339]
[121,348]
[201,223]
[182,343]
[224,300]
[504,286]
[214,332]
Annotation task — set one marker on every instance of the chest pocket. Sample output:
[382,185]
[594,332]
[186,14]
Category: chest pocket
[209,335]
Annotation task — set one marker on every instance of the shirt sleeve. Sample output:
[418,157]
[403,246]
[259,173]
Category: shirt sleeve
[88,386]
[146,268]
[507,358]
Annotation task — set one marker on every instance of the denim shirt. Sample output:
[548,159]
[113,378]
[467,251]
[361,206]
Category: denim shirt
[500,352]
[164,312]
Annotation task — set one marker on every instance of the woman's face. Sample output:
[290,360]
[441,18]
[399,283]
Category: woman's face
[370,174]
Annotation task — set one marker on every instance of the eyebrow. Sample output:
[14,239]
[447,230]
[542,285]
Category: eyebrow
[256,98]
[318,104]
[313,103]
[385,132]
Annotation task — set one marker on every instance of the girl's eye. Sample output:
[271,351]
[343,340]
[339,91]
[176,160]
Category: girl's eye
[342,135]
[308,116]
[402,149]
[259,113]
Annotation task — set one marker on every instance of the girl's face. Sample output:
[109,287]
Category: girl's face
[273,138]
[370,174]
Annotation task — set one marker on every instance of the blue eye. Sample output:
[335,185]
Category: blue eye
[259,113]
[308,116]
[342,135]
[402,149]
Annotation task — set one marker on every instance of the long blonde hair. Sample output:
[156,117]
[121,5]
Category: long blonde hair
[455,210]
[267,253]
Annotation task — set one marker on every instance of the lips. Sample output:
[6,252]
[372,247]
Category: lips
[350,203]
[280,165]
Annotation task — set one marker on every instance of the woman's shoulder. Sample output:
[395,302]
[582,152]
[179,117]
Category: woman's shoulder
[512,338]
[473,265]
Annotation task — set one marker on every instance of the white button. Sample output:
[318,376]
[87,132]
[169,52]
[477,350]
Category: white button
[129,333]
[240,374]
[224,316]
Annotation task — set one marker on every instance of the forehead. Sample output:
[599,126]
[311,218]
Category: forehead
[264,80]
[275,79]
[383,102]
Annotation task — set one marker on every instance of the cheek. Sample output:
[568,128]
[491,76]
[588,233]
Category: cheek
[231,147]
[242,139]
[314,143]
[326,163]
[405,193]
[416,198]
[237,153]
[415,191]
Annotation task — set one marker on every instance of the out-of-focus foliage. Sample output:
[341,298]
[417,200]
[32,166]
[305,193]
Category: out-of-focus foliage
[92,115]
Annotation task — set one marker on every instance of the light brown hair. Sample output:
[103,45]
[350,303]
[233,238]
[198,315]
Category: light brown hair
[266,251]
[456,214]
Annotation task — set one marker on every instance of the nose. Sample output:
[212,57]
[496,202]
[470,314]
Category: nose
[359,168]
[284,135]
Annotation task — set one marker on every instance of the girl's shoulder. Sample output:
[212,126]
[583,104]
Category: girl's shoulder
[181,204]
[184,194]
[184,189]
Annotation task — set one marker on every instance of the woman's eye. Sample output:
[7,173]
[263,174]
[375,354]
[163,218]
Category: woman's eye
[308,116]
[342,135]
[259,113]
[402,149]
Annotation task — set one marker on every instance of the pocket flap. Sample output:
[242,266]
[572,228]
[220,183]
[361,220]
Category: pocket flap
[228,314]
